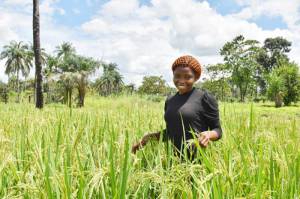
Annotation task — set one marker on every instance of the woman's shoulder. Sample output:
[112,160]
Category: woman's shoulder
[208,99]
[205,96]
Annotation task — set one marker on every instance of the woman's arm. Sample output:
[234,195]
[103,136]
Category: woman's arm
[211,108]
[150,136]
[146,138]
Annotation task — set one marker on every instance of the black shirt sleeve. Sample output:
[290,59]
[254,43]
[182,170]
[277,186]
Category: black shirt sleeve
[211,113]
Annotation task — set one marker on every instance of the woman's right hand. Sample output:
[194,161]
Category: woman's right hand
[140,144]
[135,147]
[145,139]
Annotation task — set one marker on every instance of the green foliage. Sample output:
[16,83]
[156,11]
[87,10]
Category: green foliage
[244,73]
[274,49]
[269,57]
[239,56]
[284,82]
[129,89]
[219,88]
[291,79]
[153,85]
[276,88]
[71,71]
[218,82]
[111,81]
[4,92]
[18,59]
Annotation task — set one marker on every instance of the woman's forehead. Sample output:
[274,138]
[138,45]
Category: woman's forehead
[185,69]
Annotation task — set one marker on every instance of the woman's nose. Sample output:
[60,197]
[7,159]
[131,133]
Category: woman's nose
[181,81]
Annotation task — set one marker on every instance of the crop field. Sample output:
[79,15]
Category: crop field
[85,152]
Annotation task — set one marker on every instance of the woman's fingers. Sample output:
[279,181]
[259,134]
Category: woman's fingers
[135,147]
[204,141]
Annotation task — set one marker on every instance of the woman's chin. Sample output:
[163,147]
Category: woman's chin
[181,89]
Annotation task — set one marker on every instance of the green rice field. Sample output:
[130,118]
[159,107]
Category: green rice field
[59,152]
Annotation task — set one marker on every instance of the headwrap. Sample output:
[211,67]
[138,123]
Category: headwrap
[188,61]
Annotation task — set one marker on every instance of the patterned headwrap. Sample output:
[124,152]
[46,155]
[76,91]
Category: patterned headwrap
[188,61]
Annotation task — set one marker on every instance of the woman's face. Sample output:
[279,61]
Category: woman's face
[184,79]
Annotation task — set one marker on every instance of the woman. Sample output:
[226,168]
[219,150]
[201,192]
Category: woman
[190,112]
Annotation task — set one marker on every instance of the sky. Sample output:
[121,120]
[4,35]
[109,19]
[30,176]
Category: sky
[144,37]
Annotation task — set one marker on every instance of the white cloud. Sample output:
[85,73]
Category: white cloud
[289,10]
[145,40]
[120,8]
[22,3]
[48,7]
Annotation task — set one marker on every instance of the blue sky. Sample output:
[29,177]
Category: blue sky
[79,11]
[144,37]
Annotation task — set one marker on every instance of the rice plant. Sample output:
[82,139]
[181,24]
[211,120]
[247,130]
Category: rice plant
[85,153]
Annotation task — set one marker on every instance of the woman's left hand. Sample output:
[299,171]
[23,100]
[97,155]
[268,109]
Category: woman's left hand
[204,138]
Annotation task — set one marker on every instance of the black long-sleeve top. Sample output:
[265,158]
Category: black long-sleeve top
[194,111]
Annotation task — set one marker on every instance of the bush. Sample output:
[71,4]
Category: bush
[4,92]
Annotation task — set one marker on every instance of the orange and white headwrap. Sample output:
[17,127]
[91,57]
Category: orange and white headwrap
[188,61]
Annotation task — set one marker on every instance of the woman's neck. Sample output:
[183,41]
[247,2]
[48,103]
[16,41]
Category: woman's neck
[186,91]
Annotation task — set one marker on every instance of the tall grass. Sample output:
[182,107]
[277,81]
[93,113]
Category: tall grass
[55,153]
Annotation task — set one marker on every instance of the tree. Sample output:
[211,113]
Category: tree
[153,85]
[72,68]
[85,67]
[129,89]
[67,81]
[240,59]
[284,82]
[291,80]
[37,55]
[17,60]
[111,80]
[218,82]
[273,51]
[65,50]
[276,88]
[219,88]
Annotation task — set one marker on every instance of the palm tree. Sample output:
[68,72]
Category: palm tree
[74,69]
[66,58]
[51,74]
[17,59]
[65,50]
[44,60]
[66,80]
[85,66]
[111,80]
[37,55]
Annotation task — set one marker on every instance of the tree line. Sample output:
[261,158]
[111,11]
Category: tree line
[250,71]
[65,74]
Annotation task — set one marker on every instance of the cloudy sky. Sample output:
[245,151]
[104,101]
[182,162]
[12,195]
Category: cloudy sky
[145,36]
